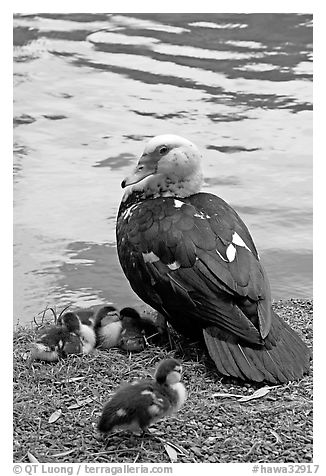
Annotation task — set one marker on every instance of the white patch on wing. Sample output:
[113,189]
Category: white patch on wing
[201,215]
[230,252]
[221,256]
[237,240]
[128,212]
[147,392]
[174,265]
[121,412]
[178,204]
[150,257]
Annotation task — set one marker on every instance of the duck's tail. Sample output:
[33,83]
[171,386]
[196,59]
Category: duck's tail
[283,356]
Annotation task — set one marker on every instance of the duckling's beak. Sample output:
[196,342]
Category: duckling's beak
[144,168]
[111,317]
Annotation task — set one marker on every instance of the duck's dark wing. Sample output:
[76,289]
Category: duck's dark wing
[198,253]
[194,260]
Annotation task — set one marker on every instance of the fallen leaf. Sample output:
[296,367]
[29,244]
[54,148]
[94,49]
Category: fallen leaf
[64,453]
[80,403]
[226,395]
[173,455]
[55,415]
[31,458]
[261,392]
[178,448]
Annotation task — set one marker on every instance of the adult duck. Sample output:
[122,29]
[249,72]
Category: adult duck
[189,255]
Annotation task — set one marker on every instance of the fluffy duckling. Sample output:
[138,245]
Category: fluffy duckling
[72,323]
[108,327]
[86,316]
[73,345]
[48,344]
[132,335]
[155,327]
[137,405]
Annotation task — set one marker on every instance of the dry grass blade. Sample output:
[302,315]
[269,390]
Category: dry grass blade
[54,314]
[277,436]
[252,449]
[63,310]
[69,380]
[42,319]
[65,453]
[227,395]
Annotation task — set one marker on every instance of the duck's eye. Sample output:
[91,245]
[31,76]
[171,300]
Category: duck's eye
[140,167]
[163,150]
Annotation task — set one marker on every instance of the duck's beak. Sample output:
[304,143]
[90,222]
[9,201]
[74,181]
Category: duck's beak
[144,168]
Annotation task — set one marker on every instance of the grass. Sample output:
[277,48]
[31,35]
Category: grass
[274,428]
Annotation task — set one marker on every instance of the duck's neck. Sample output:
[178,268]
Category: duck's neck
[161,186]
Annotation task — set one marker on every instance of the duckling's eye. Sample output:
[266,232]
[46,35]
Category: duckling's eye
[163,150]
[140,167]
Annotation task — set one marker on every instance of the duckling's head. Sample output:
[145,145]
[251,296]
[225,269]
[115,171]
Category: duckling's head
[71,322]
[106,315]
[168,372]
[130,317]
[169,166]
[72,345]
[129,312]
[48,344]
[50,336]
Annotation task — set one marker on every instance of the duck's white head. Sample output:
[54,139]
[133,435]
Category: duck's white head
[169,166]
